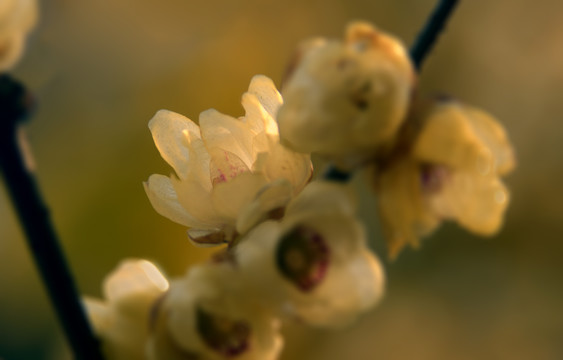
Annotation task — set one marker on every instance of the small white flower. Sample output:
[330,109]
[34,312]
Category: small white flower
[227,169]
[313,264]
[347,100]
[17,18]
[206,316]
[122,320]
[452,172]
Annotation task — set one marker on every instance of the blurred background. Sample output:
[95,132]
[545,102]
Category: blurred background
[102,69]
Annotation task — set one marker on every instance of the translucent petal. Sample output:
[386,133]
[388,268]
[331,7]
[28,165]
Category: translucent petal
[265,91]
[168,129]
[197,201]
[225,132]
[274,196]
[229,198]
[165,201]
[225,166]
[134,278]
[282,163]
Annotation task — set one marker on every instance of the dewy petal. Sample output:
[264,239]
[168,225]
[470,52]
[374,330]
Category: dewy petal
[165,201]
[168,129]
[229,198]
[225,132]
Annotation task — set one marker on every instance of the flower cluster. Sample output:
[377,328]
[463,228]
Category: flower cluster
[17,18]
[295,249]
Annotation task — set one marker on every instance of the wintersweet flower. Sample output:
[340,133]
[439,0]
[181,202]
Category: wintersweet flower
[313,264]
[226,169]
[347,100]
[205,316]
[121,321]
[451,173]
[17,18]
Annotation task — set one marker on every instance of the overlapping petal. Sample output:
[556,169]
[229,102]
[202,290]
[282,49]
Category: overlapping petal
[223,165]
[452,172]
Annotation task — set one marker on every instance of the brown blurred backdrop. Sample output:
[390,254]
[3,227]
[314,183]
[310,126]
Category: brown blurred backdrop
[101,70]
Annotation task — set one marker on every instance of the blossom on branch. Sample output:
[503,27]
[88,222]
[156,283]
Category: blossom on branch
[452,172]
[206,316]
[17,19]
[229,173]
[121,321]
[314,264]
[347,100]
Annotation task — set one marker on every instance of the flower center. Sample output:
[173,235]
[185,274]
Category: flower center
[433,178]
[228,337]
[303,257]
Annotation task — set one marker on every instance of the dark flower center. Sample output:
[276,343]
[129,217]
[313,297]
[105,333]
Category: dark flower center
[226,336]
[433,178]
[303,257]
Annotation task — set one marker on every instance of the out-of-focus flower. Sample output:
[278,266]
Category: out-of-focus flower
[227,169]
[17,18]
[121,321]
[452,172]
[347,100]
[313,264]
[205,316]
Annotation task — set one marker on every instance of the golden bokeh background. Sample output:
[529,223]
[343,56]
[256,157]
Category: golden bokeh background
[101,69]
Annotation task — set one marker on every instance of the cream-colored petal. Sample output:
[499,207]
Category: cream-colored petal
[225,165]
[404,214]
[275,196]
[494,135]
[229,198]
[475,201]
[165,201]
[281,162]
[359,283]
[168,129]
[197,201]
[265,91]
[323,197]
[11,50]
[134,282]
[225,132]
[448,138]
[257,117]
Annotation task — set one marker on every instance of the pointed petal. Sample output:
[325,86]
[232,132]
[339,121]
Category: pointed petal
[165,201]
[167,129]
[229,198]
[265,91]
[227,133]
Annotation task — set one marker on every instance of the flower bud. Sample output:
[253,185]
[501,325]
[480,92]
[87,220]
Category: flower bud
[347,100]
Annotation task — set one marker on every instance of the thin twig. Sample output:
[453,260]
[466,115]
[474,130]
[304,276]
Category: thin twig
[434,26]
[419,52]
[34,217]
